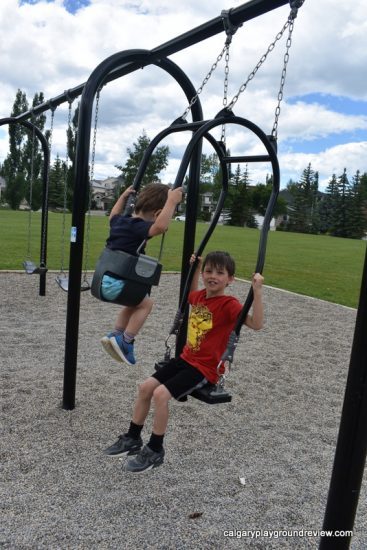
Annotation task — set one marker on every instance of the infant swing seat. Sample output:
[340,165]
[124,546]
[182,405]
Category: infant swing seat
[138,273]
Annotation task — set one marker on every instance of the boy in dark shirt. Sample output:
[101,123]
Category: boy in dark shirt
[153,211]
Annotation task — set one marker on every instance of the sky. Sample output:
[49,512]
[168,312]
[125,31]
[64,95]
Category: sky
[52,46]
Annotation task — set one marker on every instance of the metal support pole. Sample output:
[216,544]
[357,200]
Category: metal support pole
[351,448]
[45,171]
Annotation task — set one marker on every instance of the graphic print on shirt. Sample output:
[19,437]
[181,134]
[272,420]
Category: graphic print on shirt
[200,322]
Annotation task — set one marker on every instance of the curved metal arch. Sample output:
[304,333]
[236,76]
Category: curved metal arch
[227,117]
[181,125]
[45,177]
[96,80]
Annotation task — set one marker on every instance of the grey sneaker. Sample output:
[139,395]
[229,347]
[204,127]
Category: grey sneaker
[145,460]
[124,445]
[108,347]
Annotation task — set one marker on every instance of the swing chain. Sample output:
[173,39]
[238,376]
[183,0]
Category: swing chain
[258,65]
[66,170]
[31,177]
[200,89]
[230,30]
[50,136]
[91,176]
[295,4]
[225,87]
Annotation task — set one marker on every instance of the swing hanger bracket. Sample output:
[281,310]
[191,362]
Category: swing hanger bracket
[226,112]
[229,27]
[52,105]
[68,96]
[295,5]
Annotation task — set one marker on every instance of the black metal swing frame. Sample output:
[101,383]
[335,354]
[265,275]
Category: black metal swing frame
[31,267]
[213,394]
[351,448]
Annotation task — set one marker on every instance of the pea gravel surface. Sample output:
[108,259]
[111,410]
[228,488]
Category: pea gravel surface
[251,473]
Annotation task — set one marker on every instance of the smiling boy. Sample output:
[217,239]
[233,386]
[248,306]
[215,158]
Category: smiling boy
[213,315]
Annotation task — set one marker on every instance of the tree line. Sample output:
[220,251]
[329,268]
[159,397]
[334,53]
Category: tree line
[339,211]
[22,168]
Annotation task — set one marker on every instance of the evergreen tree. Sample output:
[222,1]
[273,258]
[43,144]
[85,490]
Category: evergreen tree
[363,188]
[241,213]
[71,139]
[356,221]
[158,161]
[260,196]
[340,206]
[22,167]
[13,172]
[56,184]
[328,208]
[304,216]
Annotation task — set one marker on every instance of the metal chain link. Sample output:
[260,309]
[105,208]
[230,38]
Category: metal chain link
[200,89]
[295,5]
[274,131]
[258,65]
[31,177]
[43,248]
[66,170]
[230,30]
[91,176]
[225,88]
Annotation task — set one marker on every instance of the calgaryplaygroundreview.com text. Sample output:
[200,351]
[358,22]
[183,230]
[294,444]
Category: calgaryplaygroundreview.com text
[283,533]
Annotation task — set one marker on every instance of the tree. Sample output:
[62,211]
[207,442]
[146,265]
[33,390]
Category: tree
[356,220]
[340,206]
[22,167]
[260,197]
[57,184]
[327,207]
[241,213]
[71,138]
[158,161]
[304,216]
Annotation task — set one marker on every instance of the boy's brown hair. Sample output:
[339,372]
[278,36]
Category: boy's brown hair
[220,259]
[153,197]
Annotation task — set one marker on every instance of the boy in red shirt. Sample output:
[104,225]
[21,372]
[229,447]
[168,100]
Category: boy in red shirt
[212,318]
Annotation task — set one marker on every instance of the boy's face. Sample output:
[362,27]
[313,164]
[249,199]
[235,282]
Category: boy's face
[215,279]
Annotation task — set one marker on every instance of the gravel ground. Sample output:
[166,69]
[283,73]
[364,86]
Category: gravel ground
[59,491]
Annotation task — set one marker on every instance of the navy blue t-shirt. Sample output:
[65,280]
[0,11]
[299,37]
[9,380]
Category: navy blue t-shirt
[127,233]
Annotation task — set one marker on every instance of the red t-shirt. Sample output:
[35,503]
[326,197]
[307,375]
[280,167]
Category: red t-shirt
[211,321]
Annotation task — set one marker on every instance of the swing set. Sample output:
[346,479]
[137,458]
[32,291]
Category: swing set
[140,271]
[352,440]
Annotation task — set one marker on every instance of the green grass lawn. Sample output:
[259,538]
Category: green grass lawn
[323,267]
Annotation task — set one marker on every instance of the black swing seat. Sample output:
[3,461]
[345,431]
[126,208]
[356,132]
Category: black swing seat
[210,393]
[139,272]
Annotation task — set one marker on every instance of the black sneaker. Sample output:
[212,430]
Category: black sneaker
[145,460]
[123,445]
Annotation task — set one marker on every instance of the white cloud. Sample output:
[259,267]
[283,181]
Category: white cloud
[51,50]
[328,162]
[314,121]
